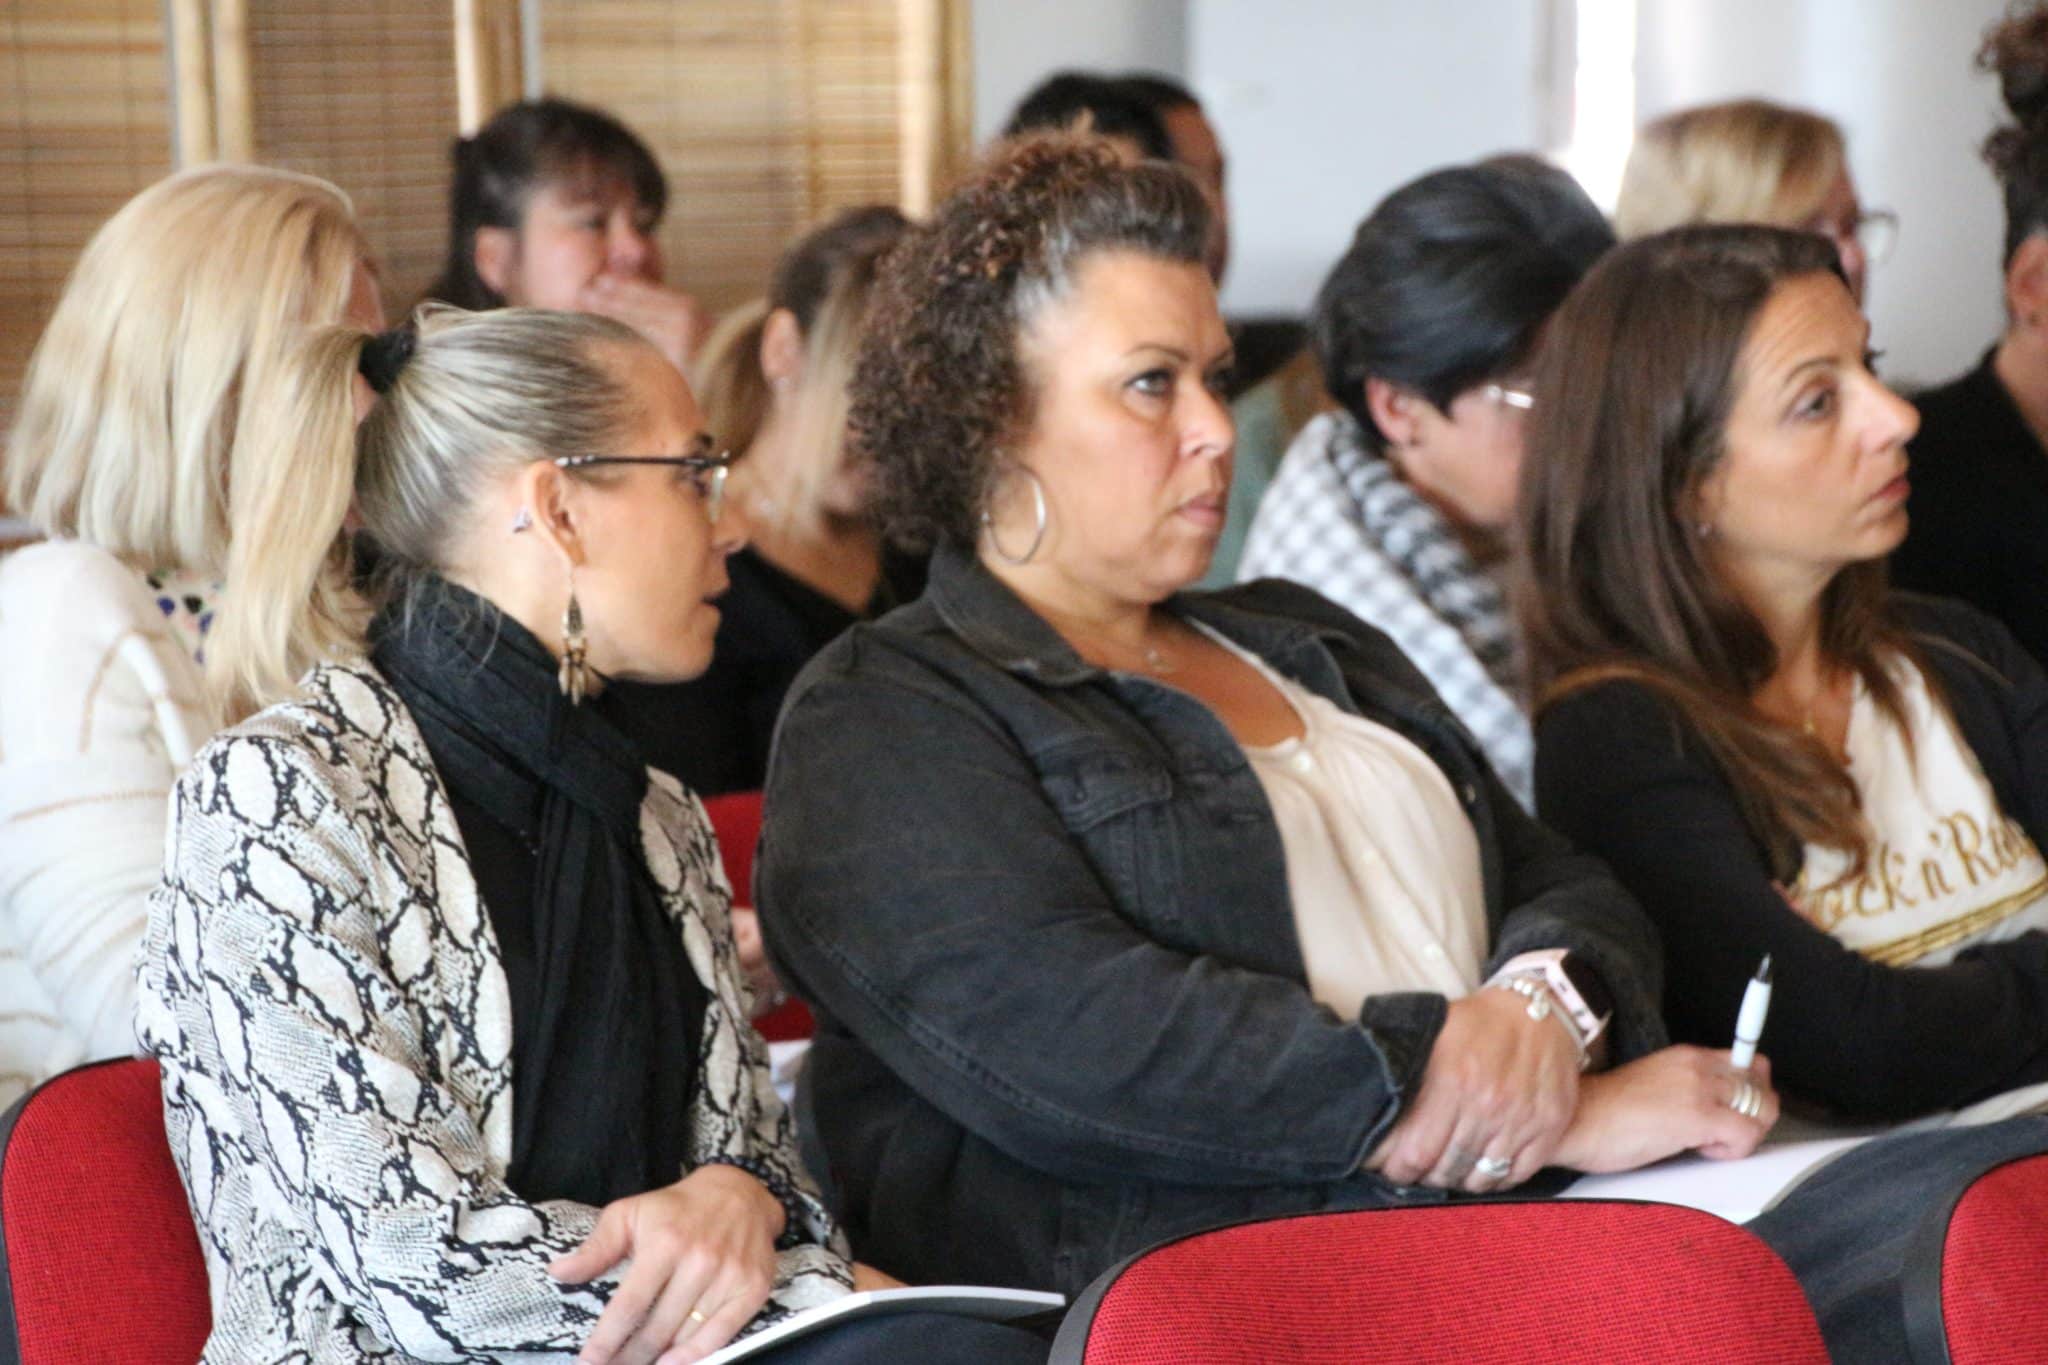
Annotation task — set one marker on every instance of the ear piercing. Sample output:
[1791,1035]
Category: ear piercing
[522,522]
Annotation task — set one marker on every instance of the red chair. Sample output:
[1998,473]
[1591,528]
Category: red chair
[736,819]
[1992,1304]
[1471,1283]
[99,1260]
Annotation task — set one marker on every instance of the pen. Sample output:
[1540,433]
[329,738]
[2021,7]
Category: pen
[1749,1023]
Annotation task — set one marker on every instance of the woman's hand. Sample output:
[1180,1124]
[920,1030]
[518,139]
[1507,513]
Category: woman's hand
[753,955]
[703,1263]
[1669,1102]
[669,318]
[866,1277]
[1499,1087]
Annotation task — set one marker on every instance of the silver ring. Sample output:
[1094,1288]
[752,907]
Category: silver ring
[1747,1101]
[1493,1167]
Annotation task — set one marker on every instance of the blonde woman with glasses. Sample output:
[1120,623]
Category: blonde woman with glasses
[441,975]
[132,428]
[1752,161]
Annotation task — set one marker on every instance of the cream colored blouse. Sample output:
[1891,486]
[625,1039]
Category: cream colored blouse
[1382,862]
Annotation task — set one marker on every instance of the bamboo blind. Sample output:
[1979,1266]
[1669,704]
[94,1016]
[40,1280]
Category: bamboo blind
[84,124]
[767,115]
[364,94]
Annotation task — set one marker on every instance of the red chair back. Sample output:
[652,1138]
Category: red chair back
[736,819]
[1994,1299]
[1470,1284]
[99,1259]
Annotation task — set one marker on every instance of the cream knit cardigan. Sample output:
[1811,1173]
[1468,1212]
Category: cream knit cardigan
[101,706]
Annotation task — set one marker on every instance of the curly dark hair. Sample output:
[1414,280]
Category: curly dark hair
[938,390]
[2016,51]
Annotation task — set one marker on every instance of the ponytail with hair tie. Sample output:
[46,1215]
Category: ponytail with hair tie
[384,357]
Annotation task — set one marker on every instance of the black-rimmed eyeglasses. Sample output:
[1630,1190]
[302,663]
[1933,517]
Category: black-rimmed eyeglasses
[707,472]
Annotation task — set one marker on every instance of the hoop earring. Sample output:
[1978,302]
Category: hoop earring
[573,677]
[988,525]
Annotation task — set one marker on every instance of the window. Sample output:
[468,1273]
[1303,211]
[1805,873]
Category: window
[767,115]
[363,94]
[86,124]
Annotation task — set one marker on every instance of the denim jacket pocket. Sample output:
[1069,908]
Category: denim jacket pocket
[1091,789]
[1122,813]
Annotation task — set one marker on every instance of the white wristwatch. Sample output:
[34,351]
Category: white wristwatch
[1547,967]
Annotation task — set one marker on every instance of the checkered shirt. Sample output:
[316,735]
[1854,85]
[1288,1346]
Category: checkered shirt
[1338,519]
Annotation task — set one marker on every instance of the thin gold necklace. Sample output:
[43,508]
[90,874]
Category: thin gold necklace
[1155,660]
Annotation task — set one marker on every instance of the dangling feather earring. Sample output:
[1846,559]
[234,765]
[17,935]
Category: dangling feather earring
[574,674]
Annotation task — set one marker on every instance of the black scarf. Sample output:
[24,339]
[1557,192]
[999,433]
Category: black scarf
[606,1008]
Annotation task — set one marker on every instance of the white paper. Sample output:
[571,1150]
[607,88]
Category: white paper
[1740,1190]
[785,1060]
[1735,1190]
[964,1300]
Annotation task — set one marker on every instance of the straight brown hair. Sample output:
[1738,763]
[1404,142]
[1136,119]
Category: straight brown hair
[1633,391]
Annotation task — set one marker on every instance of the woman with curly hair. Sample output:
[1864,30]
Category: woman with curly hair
[1126,910]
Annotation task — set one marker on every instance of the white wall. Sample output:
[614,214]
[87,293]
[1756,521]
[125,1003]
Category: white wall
[1017,43]
[1897,74]
[1326,105]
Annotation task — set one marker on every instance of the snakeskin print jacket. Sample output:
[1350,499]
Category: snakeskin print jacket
[323,989]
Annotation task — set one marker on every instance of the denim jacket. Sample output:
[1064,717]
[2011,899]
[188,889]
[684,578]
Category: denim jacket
[1041,912]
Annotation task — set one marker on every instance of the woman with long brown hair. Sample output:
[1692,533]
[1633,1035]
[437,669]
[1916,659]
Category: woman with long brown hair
[1774,752]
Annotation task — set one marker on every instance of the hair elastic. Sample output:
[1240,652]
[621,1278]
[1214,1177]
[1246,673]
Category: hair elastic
[384,357]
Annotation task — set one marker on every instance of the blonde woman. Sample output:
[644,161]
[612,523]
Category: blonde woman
[776,391]
[131,429]
[440,974]
[1751,161]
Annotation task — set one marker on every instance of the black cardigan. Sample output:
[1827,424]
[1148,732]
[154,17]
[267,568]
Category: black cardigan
[1979,506]
[713,732]
[1619,773]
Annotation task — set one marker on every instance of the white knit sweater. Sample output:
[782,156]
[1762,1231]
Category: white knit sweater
[100,707]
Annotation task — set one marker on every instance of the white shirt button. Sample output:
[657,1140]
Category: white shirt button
[1303,761]
[1434,952]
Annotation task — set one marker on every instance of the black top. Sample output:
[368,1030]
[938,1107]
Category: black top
[1979,510]
[713,732]
[606,1009]
[1620,774]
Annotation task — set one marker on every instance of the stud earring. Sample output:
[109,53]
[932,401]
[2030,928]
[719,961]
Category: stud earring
[523,521]
[574,674]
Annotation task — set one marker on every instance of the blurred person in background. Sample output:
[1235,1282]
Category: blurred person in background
[556,205]
[1980,463]
[1752,161]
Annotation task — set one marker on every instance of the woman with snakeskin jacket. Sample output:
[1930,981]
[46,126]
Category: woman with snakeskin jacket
[440,974]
